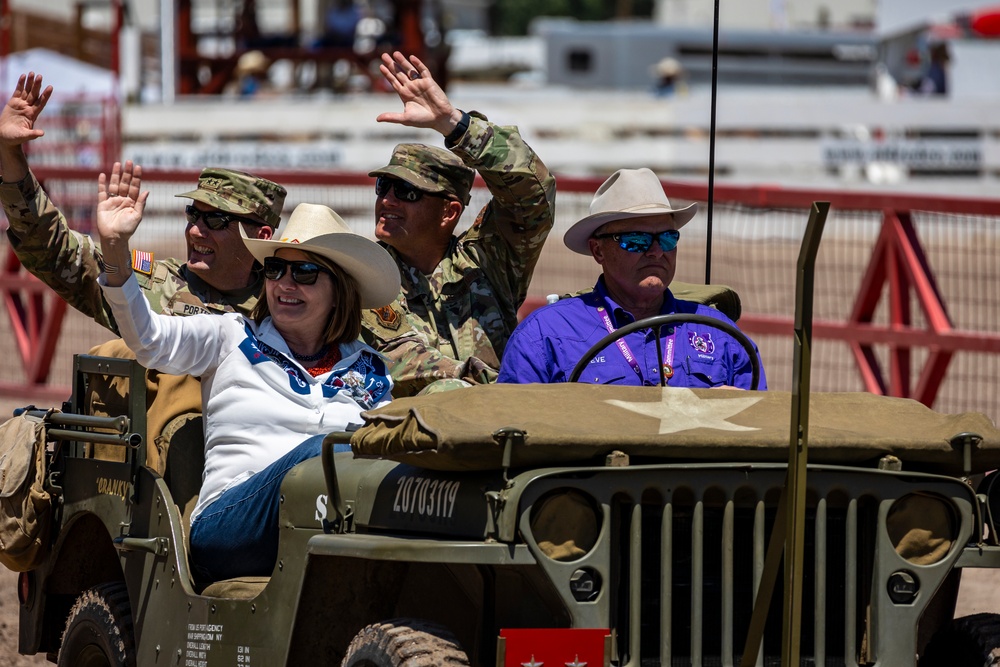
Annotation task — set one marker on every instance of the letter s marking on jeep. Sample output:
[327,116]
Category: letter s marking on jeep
[321,507]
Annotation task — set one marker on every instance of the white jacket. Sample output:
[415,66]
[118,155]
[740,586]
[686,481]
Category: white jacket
[258,402]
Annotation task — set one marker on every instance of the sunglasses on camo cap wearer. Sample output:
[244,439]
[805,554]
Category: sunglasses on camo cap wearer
[215,220]
[642,241]
[304,273]
[404,191]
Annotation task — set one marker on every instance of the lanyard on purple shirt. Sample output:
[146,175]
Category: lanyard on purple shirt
[668,347]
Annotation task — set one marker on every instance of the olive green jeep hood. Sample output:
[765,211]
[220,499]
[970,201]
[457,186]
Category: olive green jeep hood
[564,423]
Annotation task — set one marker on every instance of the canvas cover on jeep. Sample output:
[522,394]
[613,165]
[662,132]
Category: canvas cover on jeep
[567,423]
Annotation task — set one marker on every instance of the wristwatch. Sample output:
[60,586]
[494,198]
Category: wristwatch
[460,129]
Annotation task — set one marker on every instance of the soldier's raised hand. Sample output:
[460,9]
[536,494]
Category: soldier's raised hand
[17,120]
[424,103]
[120,203]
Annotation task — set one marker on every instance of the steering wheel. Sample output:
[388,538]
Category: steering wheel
[658,322]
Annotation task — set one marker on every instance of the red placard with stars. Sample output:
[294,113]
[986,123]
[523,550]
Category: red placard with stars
[555,647]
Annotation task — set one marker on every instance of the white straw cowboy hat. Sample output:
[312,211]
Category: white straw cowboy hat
[317,229]
[252,62]
[667,67]
[628,193]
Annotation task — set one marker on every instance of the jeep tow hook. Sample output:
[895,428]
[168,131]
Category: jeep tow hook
[159,546]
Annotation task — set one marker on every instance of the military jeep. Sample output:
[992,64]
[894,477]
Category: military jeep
[538,526]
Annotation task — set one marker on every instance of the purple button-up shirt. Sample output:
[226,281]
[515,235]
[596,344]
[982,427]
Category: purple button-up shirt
[550,341]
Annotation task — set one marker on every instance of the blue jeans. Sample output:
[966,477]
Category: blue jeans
[237,535]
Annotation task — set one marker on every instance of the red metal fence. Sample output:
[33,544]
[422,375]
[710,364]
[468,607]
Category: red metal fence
[907,287]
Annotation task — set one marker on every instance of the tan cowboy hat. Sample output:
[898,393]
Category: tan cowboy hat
[628,193]
[317,229]
[252,62]
[667,67]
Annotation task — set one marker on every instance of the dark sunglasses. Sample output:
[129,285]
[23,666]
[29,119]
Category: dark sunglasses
[404,191]
[304,273]
[641,241]
[214,220]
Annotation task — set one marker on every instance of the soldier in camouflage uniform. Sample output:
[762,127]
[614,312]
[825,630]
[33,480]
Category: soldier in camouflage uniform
[220,274]
[460,294]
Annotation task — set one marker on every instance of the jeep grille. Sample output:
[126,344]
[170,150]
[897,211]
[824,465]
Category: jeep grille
[696,588]
[683,555]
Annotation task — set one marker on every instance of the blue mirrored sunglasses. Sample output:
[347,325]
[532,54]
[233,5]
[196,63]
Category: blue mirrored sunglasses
[641,241]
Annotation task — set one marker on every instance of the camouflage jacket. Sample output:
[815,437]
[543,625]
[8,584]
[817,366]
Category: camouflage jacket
[467,308]
[413,363]
[69,262]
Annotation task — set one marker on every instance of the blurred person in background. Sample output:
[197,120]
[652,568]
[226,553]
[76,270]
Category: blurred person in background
[340,22]
[250,77]
[935,78]
[669,77]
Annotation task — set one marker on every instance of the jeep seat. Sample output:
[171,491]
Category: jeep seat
[184,440]
[723,298]
[168,398]
[240,588]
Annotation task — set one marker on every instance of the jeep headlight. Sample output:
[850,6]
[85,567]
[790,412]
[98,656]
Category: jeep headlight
[922,527]
[565,524]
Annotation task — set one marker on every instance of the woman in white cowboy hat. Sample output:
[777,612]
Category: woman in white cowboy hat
[294,368]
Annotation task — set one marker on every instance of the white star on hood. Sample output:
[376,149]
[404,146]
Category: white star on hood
[680,409]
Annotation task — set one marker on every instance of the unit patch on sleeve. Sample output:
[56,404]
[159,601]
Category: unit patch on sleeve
[388,317]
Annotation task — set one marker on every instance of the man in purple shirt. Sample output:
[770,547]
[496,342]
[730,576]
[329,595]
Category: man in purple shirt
[632,232]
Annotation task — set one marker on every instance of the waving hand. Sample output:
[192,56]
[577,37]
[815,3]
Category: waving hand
[425,104]
[17,120]
[120,204]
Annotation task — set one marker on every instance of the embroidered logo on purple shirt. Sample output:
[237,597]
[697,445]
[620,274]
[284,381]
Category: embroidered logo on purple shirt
[701,342]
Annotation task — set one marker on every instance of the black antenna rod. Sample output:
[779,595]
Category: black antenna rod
[711,145]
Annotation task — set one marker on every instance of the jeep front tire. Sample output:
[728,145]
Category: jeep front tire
[402,642]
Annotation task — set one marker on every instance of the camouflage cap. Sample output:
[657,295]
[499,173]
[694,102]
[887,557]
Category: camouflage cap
[241,193]
[431,169]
